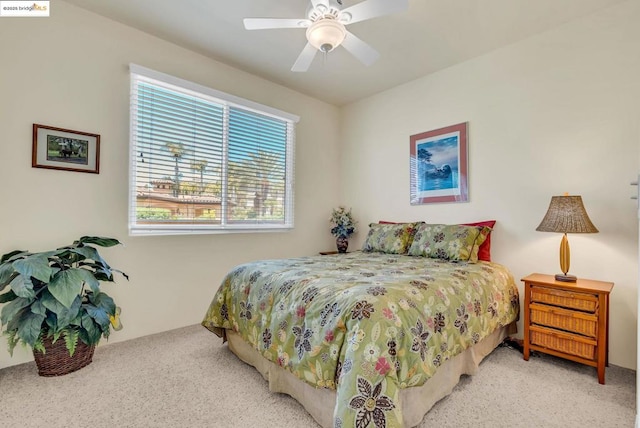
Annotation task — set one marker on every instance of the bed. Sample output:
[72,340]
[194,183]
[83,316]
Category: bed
[370,338]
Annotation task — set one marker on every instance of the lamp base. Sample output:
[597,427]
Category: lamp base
[566,278]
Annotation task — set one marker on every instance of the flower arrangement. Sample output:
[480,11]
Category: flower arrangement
[342,222]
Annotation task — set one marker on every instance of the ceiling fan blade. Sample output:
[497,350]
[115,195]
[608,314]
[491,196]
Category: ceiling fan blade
[305,59]
[272,23]
[361,50]
[374,8]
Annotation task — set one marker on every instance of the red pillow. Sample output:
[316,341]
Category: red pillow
[484,252]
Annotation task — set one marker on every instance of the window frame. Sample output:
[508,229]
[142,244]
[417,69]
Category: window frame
[228,101]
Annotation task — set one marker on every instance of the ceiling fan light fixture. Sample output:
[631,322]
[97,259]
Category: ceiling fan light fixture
[326,34]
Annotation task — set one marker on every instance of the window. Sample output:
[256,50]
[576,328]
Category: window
[203,161]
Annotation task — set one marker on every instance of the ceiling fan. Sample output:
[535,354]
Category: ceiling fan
[325,24]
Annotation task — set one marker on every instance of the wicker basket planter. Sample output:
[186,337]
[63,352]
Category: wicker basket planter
[56,361]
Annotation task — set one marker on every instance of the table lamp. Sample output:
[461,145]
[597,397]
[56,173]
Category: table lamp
[566,214]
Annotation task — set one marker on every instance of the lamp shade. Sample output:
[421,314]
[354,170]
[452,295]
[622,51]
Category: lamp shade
[566,214]
[326,34]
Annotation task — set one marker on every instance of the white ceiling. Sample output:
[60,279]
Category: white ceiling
[429,36]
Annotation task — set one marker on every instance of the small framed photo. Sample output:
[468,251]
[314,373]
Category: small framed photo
[57,148]
[438,165]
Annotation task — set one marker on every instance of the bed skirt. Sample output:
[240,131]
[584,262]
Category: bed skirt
[415,401]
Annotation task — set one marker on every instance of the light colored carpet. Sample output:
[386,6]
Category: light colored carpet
[187,378]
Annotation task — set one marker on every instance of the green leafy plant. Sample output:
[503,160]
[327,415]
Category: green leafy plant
[57,293]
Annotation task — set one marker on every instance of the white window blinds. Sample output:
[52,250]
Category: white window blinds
[203,161]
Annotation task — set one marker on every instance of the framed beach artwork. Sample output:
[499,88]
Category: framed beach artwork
[65,149]
[438,165]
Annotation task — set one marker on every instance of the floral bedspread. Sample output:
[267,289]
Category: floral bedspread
[365,324]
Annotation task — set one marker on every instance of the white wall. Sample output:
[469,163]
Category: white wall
[71,71]
[556,113]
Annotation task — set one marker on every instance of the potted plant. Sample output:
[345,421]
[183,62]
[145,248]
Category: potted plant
[342,226]
[54,304]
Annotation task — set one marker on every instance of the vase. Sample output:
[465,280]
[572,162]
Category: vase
[342,242]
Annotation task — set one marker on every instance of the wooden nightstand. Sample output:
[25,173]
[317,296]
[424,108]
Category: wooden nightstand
[567,319]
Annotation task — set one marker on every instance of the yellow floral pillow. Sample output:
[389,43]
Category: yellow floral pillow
[449,242]
[390,238]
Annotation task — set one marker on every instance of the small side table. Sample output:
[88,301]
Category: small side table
[567,319]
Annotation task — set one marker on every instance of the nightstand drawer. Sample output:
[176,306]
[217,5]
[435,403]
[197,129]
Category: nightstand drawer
[565,299]
[564,319]
[566,343]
